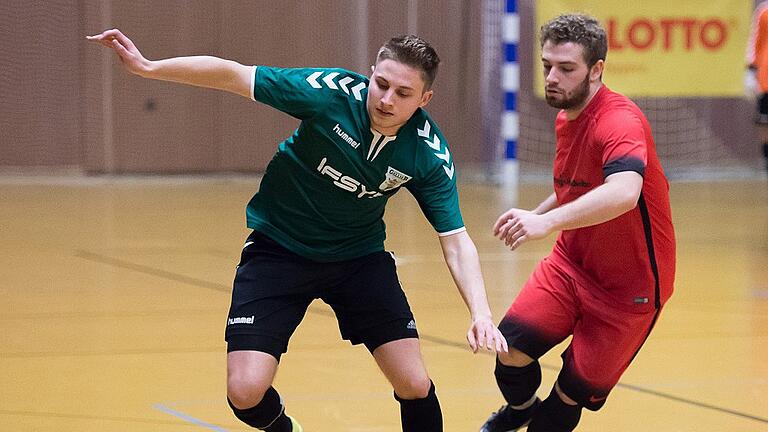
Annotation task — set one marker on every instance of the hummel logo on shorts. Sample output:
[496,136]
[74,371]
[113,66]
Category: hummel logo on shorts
[241,320]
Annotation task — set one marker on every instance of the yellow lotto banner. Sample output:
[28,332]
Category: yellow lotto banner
[665,48]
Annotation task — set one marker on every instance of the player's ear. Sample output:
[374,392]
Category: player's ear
[373,67]
[425,98]
[596,71]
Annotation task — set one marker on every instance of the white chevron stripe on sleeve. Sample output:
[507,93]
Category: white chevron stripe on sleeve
[424,132]
[434,144]
[343,83]
[328,80]
[312,79]
[356,91]
[444,156]
[449,171]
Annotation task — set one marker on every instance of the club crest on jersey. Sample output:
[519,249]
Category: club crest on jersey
[394,179]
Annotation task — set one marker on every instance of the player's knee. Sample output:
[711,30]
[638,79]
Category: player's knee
[244,393]
[518,385]
[514,358]
[414,388]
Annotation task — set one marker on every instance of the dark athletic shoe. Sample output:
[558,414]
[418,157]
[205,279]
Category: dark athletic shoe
[507,419]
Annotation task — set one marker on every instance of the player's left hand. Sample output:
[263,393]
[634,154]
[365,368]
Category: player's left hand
[129,55]
[484,334]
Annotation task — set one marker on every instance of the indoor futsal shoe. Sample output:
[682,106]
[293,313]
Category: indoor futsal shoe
[507,419]
[295,426]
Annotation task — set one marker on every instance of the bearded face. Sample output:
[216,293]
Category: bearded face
[575,98]
[567,77]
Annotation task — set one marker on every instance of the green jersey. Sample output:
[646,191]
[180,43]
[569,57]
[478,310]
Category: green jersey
[324,191]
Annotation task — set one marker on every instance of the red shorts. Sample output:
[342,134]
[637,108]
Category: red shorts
[552,306]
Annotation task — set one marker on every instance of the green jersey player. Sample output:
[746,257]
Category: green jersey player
[317,220]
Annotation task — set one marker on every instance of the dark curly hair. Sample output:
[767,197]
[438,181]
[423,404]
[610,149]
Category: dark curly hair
[580,29]
[412,51]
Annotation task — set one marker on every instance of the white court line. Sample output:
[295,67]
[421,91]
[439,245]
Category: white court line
[181,415]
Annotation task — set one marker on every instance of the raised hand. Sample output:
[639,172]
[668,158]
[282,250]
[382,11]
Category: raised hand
[129,55]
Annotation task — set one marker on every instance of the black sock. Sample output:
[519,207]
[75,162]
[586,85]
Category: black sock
[554,415]
[268,415]
[518,385]
[421,415]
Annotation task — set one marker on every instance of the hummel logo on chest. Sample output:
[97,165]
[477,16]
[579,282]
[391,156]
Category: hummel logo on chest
[345,136]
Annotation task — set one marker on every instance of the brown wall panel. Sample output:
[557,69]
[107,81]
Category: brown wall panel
[39,83]
[160,126]
[96,87]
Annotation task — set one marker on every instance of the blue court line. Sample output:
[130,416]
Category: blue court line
[188,418]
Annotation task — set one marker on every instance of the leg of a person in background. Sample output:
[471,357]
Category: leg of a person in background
[402,364]
[250,393]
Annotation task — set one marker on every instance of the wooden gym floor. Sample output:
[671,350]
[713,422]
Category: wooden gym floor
[114,295]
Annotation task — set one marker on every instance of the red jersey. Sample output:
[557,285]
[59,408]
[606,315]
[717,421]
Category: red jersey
[629,260]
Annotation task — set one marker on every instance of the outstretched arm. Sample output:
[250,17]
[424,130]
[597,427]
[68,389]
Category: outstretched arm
[463,262]
[616,196]
[201,71]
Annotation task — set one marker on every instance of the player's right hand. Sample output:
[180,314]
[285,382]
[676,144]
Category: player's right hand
[129,55]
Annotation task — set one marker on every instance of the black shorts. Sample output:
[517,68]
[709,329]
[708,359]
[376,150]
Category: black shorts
[762,110]
[273,288]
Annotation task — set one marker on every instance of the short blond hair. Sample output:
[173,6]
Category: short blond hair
[412,51]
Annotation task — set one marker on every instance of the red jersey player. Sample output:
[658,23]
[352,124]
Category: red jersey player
[612,267]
